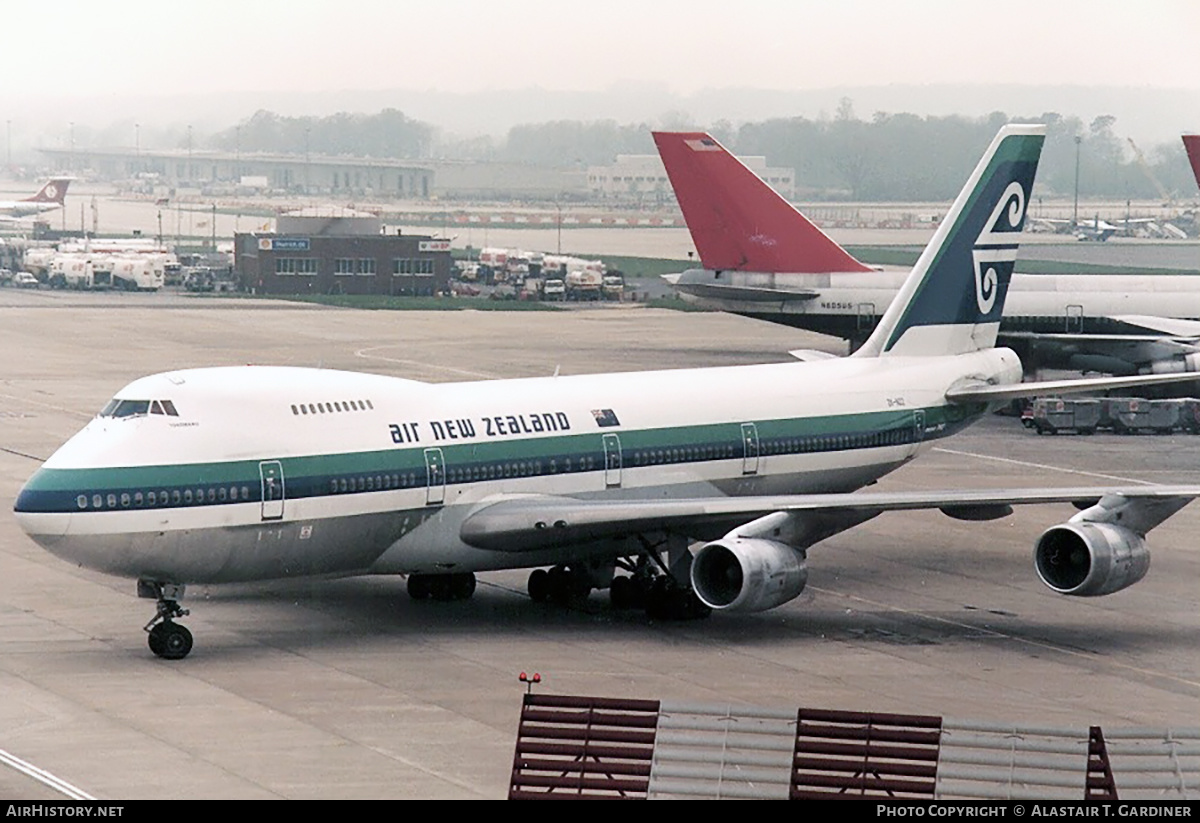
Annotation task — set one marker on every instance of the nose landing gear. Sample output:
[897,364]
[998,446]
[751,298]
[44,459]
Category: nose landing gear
[168,639]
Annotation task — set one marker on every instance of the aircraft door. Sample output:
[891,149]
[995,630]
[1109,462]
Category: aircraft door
[270,472]
[749,448]
[612,460]
[918,425]
[1074,320]
[866,319]
[435,474]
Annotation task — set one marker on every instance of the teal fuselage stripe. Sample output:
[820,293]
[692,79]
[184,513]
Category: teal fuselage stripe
[464,462]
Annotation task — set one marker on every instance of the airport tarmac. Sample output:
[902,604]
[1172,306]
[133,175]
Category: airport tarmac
[347,689]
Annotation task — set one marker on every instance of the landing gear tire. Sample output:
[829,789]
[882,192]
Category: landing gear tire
[418,587]
[170,641]
[627,593]
[539,585]
[462,586]
[560,584]
[441,587]
[669,601]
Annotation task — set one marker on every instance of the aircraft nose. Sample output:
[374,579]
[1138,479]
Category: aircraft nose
[37,515]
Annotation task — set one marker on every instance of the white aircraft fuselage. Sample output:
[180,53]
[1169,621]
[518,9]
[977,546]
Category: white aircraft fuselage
[848,304]
[271,472]
[1034,300]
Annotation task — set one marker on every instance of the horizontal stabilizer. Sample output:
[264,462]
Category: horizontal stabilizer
[811,355]
[750,294]
[747,286]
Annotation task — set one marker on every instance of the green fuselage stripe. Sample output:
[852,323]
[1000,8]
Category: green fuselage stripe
[408,466]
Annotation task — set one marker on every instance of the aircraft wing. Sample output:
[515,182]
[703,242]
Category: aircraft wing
[16,220]
[529,523]
[1151,340]
[983,392]
[1174,328]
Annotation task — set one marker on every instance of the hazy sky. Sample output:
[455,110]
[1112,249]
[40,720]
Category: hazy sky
[149,47]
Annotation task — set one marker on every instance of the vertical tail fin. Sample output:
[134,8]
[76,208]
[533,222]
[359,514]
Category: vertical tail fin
[952,301]
[737,221]
[55,191]
[1191,142]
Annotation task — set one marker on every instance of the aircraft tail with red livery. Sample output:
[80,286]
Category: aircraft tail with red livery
[55,191]
[737,221]
[1191,142]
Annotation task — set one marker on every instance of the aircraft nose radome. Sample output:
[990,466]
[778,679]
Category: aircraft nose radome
[44,528]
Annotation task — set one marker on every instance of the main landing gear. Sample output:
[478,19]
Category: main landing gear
[441,586]
[168,639]
[659,586]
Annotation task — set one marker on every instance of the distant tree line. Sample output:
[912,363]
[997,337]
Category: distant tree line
[898,157]
[388,134]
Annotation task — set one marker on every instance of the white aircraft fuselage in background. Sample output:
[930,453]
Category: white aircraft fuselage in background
[1052,321]
[48,198]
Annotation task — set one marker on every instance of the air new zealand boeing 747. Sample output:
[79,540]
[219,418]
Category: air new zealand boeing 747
[707,486]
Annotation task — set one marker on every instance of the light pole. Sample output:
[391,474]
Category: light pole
[1075,210]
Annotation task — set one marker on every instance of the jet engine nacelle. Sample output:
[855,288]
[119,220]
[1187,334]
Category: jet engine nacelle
[747,574]
[1184,363]
[1089,559]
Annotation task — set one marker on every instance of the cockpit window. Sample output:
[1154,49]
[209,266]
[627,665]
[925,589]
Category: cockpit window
[133,408]
[129,408]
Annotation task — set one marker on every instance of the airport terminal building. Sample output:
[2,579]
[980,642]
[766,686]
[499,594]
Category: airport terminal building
[316,251]
[283,172]
[643,177]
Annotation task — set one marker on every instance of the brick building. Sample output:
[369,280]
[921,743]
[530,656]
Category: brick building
[314,252]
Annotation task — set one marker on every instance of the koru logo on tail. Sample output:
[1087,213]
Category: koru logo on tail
[996,244]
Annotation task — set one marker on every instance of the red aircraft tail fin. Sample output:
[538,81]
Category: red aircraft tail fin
[737,221]
[1191,142]
[54,191]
